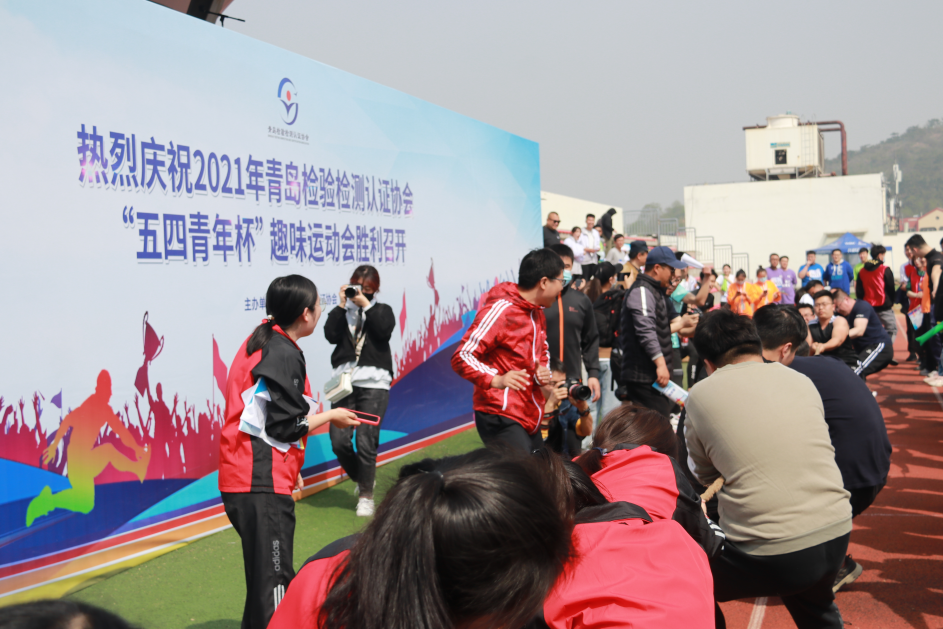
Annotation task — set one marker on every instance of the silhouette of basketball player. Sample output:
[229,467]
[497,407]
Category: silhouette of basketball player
[85,460]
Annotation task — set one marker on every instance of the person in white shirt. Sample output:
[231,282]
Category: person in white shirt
[573,242]
[590,240]
[616,255]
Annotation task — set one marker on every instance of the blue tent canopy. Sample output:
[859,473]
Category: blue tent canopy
[848,243]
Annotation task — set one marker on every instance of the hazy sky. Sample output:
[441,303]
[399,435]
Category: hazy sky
[630,101]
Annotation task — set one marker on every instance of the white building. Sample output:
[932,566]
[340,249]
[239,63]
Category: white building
[795,208]
[573,211]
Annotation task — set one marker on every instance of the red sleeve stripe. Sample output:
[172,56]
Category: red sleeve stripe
[473,341]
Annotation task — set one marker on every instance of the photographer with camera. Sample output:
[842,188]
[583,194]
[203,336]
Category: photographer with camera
[360,329]
[571,329]
[566,412]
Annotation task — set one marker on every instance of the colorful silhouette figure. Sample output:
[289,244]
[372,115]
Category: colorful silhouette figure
[86,461]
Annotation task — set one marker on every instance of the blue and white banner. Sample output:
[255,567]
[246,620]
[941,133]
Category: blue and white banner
[160,172]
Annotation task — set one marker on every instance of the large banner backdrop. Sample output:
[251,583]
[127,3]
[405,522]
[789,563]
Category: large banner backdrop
[159,172]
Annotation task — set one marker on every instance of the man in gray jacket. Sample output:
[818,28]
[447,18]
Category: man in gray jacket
[645,332]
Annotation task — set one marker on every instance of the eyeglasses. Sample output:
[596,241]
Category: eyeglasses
[555,222]
[556,279]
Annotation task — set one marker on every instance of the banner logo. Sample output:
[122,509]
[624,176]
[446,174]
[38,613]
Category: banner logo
[288,97]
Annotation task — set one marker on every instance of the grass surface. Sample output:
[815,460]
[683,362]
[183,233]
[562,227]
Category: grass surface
[202,585]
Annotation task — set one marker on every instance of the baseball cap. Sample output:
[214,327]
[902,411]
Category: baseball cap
[607,270]
[665,257]
[637,247]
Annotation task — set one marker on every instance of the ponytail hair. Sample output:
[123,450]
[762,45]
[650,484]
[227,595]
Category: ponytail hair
[285,301]
[456,540]
[629,424]
[575,489]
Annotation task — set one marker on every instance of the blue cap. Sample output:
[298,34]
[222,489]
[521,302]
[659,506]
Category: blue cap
[665,257]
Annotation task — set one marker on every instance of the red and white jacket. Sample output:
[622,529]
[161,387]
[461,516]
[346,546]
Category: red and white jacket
[509,334]
[630,571]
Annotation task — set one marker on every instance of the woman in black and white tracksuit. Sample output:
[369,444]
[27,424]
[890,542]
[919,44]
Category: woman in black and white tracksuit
[362,322]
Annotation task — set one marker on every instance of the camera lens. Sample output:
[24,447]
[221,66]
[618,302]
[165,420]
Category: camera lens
[350,292]
[580,392]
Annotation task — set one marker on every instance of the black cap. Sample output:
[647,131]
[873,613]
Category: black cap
[637,247]
[606,271]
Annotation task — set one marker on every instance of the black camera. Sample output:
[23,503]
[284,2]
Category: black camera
[577,390]
[352,291]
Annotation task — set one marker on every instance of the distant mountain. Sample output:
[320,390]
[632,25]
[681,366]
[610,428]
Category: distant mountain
[918,151]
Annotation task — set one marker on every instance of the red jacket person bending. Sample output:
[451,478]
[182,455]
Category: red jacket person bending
[505,355]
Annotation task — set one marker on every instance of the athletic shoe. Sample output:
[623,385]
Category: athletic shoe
[365,507]
[935,382]
[912,357]
[849,572]
[893,363]
[933,375]
[924,372]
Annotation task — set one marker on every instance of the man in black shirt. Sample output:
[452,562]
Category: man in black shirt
[872,344]
[580,335]
[855,422]
[551,235]
[917,246]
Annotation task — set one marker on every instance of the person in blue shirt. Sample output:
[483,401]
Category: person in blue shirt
[810,270]
[839,273]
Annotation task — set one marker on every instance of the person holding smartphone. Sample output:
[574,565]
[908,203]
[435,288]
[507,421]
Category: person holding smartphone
[256,477]
[360,329]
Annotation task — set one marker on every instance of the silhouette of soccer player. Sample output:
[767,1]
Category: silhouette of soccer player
[85,460]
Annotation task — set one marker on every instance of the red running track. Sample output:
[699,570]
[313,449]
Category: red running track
[899,539]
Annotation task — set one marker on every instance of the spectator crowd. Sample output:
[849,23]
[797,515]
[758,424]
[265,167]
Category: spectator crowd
[634,472]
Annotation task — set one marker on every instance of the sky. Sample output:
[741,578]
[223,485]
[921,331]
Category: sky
[631,101]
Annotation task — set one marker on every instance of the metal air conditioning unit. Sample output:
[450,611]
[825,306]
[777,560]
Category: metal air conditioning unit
[784,149]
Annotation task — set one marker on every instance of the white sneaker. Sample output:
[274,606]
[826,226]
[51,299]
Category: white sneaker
[935,382]
[931,376]
[365,507]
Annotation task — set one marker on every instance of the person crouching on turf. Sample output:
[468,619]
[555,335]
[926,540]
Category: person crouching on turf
[630,568]
[633,459]
[475,540]
[505,353]
[256,479]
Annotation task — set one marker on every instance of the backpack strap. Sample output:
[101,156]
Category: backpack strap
[612,512]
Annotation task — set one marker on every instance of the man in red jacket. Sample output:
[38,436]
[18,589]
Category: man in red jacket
[505,354]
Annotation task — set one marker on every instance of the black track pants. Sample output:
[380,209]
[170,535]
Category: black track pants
[803,580]
[361,465]
[266,524]
[495,429]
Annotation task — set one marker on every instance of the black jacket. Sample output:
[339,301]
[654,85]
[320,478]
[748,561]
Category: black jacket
[580,337]
[378,325]
[645,331]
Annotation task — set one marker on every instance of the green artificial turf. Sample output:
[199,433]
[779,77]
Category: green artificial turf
[202,585]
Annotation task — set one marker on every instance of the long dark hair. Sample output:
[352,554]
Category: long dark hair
[575,489]
[456,539]
[630,424]
[285,300]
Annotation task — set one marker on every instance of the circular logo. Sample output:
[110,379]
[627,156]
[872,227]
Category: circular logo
[288,97]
